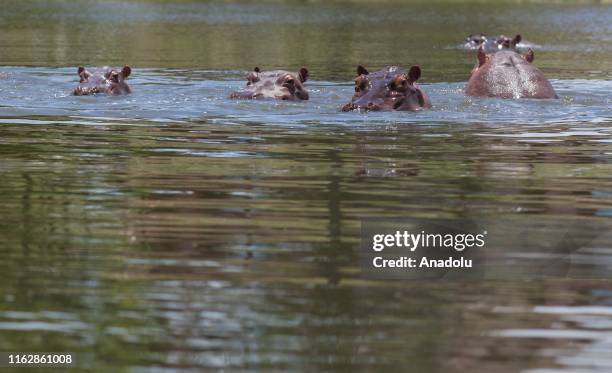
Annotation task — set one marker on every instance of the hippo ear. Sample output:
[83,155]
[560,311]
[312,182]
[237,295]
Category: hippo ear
[253,76]
[362,70]
[303,74]
[517,39]
[482,56]
[414,74]
[126,71]
[83,74]
[529,56]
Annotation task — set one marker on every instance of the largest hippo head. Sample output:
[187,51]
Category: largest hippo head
[391,88]
[280,84]
[108,81]
[507,74]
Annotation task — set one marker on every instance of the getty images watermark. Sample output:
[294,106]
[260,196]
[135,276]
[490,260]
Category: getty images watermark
[410,242]
[421,248]
[488,247]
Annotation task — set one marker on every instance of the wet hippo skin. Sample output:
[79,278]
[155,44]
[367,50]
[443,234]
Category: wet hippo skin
[279,84]
[389,89]
[507,74]
[108,81]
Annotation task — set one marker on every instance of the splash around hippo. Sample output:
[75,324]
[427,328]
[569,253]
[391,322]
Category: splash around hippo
[105,81]
[279,84]
[507,74]
[389,89]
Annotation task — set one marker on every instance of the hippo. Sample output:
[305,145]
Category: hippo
[389,89]
[507,74]
[279,84]
[107,81]
[474,41]
[492,44]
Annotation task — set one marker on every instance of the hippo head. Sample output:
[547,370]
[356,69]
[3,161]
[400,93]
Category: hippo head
[504,42]
[282,85]
[389,89]
[118,76]
[473,41]
[492,44]
[507,74]
[292,85]
[109,81]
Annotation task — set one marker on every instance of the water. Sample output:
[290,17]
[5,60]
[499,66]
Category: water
[175,229]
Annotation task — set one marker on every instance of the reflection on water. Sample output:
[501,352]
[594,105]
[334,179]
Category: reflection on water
[198,244]
[176,229]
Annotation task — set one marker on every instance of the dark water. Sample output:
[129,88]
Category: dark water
[174,229]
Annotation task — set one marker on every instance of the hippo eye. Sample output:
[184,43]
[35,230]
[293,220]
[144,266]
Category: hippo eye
[290,81]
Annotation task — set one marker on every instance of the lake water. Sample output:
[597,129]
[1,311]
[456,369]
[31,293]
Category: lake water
[175,229]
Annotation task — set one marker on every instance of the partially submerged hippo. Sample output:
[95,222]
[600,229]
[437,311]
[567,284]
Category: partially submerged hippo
[507,74]
[391,88]
[107,81]
[492,44]
[282,85]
